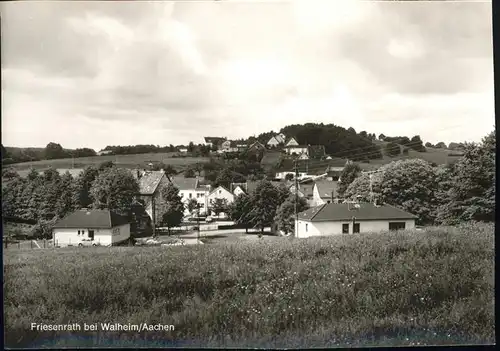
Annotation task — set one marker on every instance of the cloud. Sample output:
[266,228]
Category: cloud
[184,69]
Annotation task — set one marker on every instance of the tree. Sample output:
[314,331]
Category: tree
[190,147]
[192,205]
[53,151]
[189,173]
[441,145]
[169,171]
[351,130]
[172,209]
[363,134]
[392,149]
[409,184]
[66,202]
[105,165]
[471,186]
[381,137]
[416,144]
[239,210]
[9,173]
[285,215]
[33,175]
[412,185]
[115,189]
[224,178]
[265,200]
[427,144]
[289,176]
[219,205]
[350,172]
[83,184]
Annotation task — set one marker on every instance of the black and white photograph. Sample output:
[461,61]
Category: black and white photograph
[248,174]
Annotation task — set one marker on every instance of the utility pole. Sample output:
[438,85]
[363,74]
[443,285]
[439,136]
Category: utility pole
[296,199]
[153,217]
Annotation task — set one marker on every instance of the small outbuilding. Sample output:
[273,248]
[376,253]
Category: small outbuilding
[91,228]
[349,218]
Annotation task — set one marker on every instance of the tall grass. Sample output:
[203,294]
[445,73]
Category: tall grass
[430,287]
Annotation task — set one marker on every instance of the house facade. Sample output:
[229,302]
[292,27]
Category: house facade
[229,146]
[220,193]
[296,149]
[256,147]
[91,227]
[338,219]
[190,188]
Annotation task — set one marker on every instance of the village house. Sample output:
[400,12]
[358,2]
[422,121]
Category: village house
[220,193]
[295,149]
[91,227]
[229,146]
[291,142]
[256,147]
[191,188]
[325,191]
[150,185]
[214,141]
[305,191]
[347,218]
[276,140]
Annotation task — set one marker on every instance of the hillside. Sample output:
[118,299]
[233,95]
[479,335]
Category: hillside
[400,288]
[126,161]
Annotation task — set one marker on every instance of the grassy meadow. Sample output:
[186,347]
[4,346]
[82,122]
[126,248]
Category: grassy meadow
[401,288]
[126,161]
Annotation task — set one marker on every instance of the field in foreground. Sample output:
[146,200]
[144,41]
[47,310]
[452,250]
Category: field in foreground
[429,287]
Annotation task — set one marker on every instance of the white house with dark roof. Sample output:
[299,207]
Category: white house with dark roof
[274,141]
[91,227]
[348,218]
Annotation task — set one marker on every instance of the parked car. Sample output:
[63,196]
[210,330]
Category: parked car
[88,243]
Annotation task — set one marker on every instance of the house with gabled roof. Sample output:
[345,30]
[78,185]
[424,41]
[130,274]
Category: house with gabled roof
[214,141]
[91,228]
[256,147]
[351,218]
[291,142]
[273,142]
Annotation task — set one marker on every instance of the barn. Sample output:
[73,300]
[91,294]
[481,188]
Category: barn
[91,228]
[346,218]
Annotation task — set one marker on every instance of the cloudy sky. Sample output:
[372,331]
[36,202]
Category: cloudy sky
[91,74]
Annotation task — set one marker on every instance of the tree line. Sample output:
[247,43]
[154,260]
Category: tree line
[47,197]
[444,194]
[51,151]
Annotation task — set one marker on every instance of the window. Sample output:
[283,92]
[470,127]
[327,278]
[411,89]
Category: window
[220,191]
[355,228]
[306,227]
[190,195]
[83,232]
[345,228]
[397,225]
[78,232]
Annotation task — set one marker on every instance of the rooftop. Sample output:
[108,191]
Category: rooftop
[98,219]
[326,188]
[345,212]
